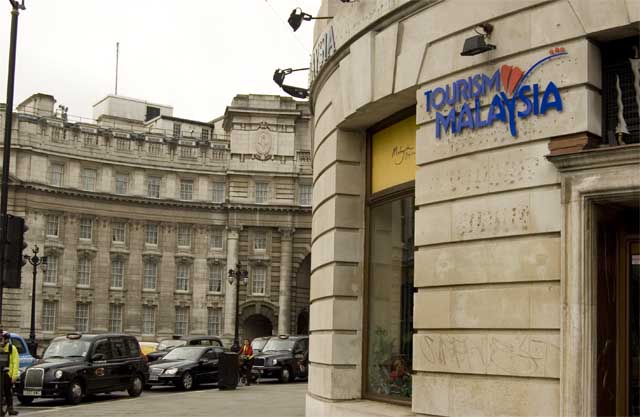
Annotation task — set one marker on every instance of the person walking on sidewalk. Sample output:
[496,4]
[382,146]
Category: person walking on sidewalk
[10,375]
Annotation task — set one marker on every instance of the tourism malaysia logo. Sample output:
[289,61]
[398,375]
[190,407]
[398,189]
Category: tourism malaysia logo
[513,99]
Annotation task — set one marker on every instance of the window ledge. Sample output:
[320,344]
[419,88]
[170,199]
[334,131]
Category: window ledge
[602,157]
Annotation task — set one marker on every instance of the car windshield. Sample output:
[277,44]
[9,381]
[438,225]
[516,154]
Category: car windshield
[184,354]
[171,343]
[66,348]
[258,344]
[278,344]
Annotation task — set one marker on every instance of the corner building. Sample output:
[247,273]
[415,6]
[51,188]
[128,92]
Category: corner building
[475,218]
[141,215]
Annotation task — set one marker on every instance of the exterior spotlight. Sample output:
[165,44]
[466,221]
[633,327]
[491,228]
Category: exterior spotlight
[297,16]
[298,92]
[477,44]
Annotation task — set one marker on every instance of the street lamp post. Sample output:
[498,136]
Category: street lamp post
[35,261]
[237,275]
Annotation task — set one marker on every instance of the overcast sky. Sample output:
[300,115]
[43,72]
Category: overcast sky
[194,55]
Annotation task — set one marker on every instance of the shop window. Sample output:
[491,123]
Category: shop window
[389,288]
[620,71]
[390,293]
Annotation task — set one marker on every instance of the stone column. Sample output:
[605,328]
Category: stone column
[233,234]
[284,300]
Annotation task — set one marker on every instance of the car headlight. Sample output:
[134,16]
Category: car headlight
[58,374]
[171,371]
[274,362]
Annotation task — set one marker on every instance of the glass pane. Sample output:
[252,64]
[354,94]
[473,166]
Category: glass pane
[390,315]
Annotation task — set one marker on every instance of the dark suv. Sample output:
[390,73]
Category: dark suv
[283,357]
[76,365]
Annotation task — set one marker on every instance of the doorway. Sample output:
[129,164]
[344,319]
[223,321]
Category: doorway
[257,325]
[618,309]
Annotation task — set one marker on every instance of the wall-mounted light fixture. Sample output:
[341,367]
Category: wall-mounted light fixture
[278,78]
[297,16]
[478,44]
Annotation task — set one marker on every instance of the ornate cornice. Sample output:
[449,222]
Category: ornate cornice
[221,207]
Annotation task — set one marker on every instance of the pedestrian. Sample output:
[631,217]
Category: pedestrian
[246,353]
[10,375]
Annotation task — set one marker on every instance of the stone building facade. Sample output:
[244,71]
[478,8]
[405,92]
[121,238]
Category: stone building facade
[141,215]
[483,257]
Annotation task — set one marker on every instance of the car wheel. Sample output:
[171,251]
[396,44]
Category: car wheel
[186,382]
[135,386]
[285,375]
[25,400]
[75,392]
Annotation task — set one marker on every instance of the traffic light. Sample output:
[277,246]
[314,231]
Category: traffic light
[13,251]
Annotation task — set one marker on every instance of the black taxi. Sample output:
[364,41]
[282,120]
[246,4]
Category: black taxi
[283,357]
[77,365]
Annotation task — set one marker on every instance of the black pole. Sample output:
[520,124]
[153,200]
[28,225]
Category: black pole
[236,342]
[33,345]
[4,197]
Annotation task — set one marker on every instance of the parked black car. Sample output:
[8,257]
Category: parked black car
[283,357]
[76,365]
[258,343]
[167,345]
[186,367]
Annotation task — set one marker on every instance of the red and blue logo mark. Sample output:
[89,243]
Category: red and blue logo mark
[512,99]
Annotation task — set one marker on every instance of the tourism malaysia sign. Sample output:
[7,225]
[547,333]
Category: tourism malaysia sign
[512,99]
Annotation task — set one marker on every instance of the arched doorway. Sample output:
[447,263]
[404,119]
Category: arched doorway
[301,298]
[257,325]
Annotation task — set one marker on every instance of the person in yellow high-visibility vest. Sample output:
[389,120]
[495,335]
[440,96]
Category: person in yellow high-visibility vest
[11,375]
